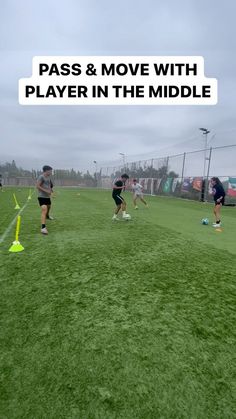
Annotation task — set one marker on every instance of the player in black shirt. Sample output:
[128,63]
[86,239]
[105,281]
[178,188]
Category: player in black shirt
[219,198]
[118,187]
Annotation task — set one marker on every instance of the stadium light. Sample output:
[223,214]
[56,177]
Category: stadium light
[123,156]
[205,132]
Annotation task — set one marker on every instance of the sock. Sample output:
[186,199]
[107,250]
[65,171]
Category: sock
[123,213]
[43,225]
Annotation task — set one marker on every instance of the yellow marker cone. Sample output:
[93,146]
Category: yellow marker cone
[16,246]
[30,195]
[17,205]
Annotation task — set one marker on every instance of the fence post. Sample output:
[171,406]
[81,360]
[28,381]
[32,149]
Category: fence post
[183,167]
[167,164]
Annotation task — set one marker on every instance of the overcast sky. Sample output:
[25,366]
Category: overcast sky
[75,136]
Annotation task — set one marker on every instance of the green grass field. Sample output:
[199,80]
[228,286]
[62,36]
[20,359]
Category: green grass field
[117,320]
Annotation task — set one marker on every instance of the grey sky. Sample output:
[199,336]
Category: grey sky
[75,136]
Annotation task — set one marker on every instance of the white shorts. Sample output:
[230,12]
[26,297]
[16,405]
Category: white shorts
[138,195]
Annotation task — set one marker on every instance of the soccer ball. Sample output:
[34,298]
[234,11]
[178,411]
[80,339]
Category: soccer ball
[205,221]
[127,217]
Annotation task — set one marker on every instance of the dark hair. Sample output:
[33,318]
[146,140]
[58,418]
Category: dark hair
[46,167]
[134,180]
[125,176]
[216,180]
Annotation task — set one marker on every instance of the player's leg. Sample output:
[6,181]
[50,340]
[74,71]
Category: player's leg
[115,216]
[217,210]
[214,212]
[123,208]
[118,207]
[135,201]
[120,204]
[143,200]
[48,216]
[118,200]
[44,209]
[48,210]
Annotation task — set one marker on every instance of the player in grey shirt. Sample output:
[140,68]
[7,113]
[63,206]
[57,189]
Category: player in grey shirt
[44,186]
[137,193]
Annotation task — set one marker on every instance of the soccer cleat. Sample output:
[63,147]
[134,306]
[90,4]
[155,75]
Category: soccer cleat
[136,207]
[126,217]
[115,218]
[44,231]
[216,225]
[49,217]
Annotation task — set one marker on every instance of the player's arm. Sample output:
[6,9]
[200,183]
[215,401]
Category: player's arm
[39,187]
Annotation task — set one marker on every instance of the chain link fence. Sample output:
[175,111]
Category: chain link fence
[185,175]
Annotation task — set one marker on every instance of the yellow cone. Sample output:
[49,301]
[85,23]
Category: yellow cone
[17,205]
[16,247]
[30,193]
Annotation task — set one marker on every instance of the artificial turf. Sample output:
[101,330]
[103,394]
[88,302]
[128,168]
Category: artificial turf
[123,320]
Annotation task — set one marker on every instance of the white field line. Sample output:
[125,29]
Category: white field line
[8,229]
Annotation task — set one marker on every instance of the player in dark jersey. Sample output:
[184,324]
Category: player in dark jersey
[219,198]
[118,187]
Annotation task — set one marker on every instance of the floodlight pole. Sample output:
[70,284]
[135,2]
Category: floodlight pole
[183,167]
[123,157]
[205,132]
[208,170]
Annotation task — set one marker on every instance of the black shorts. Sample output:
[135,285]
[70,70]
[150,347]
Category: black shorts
[44,201]
[118,199]
[0,185]
[222,202]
